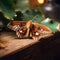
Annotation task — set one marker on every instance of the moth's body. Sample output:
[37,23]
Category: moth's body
[30,29]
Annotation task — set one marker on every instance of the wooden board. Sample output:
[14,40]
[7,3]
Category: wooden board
[13,43]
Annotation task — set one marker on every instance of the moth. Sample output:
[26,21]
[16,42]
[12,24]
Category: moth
[29,29]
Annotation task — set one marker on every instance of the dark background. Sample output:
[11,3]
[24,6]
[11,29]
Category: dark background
[57,2]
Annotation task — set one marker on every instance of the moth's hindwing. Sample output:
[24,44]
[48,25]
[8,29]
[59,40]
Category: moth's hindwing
[39,31]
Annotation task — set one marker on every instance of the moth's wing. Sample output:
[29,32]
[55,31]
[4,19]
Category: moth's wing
[14,25]
[20,27]
[24,31]
[45,32]
[40,31]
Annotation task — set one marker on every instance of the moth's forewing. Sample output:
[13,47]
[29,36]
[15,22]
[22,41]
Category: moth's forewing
[22,28]
[14,25]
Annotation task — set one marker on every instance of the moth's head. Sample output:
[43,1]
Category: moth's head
[39,31]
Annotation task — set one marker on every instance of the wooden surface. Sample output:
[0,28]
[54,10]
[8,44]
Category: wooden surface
[13,44]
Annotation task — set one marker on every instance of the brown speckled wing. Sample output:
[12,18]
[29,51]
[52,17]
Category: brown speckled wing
[24,31]
[39,31]
[22,28]
[29,29]
[15,25]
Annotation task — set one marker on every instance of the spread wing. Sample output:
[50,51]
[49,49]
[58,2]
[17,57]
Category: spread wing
[39,31]
[30,29]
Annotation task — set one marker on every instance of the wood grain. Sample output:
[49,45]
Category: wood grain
[13,44]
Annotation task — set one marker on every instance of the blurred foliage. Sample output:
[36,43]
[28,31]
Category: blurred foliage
[8,13]
[7,8]
[4,21]
[34,15]
[19,15]
[22,5]
[16,9]
[52,24]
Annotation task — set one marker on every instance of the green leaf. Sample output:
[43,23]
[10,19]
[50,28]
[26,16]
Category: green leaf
[35,16]
[51,24]
[7,8]
[19,15]
[22,4]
